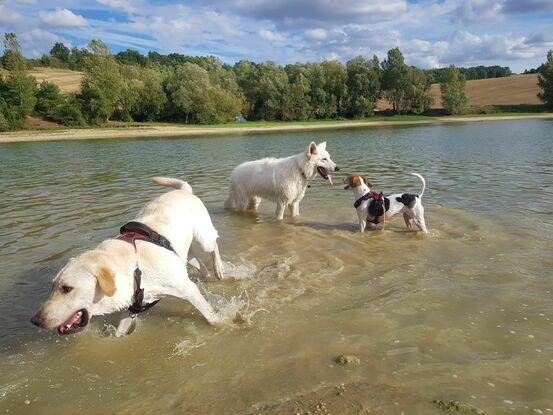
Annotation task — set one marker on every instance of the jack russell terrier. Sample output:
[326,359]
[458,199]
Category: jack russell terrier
[371,206]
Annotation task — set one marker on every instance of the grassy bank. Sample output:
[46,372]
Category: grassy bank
[132,130]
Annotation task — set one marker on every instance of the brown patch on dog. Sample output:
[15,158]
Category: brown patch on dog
[367,182]
[106,280]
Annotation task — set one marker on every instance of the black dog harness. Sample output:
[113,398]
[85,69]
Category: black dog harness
[378,204]
[130,233]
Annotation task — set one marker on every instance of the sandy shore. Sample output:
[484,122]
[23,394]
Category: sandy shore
[164,130]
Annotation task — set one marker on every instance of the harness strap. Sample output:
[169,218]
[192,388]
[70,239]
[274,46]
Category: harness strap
[130,233]
[367,196]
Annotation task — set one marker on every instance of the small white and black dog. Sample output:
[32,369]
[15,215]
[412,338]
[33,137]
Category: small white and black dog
[370,206]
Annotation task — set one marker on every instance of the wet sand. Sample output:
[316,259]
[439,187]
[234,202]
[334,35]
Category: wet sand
[163,130]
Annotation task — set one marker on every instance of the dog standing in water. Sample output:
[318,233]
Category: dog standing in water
[369,205]
[154,249]
[282,181]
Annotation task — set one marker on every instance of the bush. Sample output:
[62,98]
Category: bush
[48,97]
[68,113]
[17,94]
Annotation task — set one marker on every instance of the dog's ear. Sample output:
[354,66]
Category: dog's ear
[367,182]
[322,146]
[311,149]
[106,280]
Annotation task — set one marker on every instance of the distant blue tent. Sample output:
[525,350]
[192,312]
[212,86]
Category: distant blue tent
[239,119]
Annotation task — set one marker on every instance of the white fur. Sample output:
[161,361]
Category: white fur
[282,181]
[412,216]
[178,215]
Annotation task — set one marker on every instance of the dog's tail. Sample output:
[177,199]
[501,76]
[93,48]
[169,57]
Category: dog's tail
[175,183]
[423,183]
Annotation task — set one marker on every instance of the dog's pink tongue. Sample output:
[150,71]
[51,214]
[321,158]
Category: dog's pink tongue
[330,180]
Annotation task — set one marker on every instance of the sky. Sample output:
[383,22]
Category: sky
[430,33]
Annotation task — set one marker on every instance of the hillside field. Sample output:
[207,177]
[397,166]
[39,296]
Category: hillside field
[512,90]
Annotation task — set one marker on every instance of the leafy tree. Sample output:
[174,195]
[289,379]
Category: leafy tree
[131,57]
[335,85]
[68,112]
[46,60]
[417,98]
[101,85]
[60,52]
[395,79]
[48,97]
[363,85]
[454,99]
[187,90]
[17,98]
[152,98]
[78,58]
[545,80]
[12,59]
[296,99]
[98,48]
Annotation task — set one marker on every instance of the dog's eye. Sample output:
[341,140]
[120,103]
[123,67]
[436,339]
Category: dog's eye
[324,159]
[66,289]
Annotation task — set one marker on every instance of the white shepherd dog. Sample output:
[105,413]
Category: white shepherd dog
[282,181]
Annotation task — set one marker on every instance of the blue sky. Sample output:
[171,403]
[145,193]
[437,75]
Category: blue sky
[430,33]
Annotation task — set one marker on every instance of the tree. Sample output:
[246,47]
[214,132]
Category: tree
[48,97]
[17,98]
[296,99]
[101,85]
[335,85]
[60,52]
[395,79]
[363,85]
[454,99]
[417,97]
[545,80]
[12,59]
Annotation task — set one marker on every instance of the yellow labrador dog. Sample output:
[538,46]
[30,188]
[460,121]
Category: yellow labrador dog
[147,262]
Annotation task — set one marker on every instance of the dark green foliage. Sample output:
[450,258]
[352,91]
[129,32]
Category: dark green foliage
[17,98]
[60,52]
[545,80]
[439,75]
[48,97]
[131,57]
[363,86]
[68,112]
[395,79]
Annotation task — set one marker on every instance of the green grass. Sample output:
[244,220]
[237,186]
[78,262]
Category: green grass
[262,124]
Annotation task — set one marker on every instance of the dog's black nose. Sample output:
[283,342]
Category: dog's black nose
[37,320]
[337,168]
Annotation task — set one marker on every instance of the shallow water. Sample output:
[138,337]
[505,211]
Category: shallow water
[464,313]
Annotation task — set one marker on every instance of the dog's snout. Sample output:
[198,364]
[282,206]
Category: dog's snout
[37,319]
[337,168]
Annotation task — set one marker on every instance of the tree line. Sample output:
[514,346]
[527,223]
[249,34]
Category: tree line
[129,86]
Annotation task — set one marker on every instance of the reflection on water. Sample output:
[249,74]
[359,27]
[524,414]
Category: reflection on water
[464,313]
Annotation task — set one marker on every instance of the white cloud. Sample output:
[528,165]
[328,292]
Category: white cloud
[315,34]
[10,17]
[273,37]
[61,18]
[129,6]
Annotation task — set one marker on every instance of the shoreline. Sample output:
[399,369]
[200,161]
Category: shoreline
[181,130]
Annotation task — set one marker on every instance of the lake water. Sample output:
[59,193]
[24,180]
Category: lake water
[464,313]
